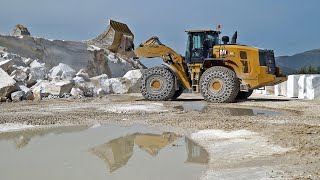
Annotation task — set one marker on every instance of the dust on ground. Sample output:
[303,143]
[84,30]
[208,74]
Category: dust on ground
[259,146]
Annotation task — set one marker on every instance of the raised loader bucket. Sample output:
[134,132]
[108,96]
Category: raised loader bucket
[117,38]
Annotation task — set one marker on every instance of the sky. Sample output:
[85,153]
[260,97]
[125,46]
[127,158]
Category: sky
[286,26]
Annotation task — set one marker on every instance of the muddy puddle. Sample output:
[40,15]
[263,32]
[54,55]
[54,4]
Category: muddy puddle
[205,108]
[100,152]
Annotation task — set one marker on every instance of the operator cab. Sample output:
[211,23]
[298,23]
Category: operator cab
[200,44]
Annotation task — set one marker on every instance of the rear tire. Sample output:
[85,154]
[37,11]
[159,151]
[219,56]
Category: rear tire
[244,95]
[219,85]
[158,84]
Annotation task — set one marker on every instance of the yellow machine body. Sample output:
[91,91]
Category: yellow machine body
[250,65]
[247,67]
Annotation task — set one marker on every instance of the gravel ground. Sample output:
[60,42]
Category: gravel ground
[291,137]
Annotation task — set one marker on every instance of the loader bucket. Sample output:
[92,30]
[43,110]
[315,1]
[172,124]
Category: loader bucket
[117,38]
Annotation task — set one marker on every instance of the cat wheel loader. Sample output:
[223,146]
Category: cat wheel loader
[218,69]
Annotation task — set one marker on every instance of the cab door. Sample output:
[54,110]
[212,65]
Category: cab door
[197,48]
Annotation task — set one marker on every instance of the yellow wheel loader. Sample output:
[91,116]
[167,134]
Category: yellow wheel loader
[217,68]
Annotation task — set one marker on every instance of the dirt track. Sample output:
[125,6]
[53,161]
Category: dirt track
[297,129]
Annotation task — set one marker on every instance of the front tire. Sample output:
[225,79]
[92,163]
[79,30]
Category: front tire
[219,85]
[158,84]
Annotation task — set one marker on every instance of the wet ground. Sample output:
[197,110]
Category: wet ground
[205,108]
[261,138]
[100,152]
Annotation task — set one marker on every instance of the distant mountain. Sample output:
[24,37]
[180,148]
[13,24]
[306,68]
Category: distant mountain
[291,63]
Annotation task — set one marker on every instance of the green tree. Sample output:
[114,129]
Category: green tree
[308,70]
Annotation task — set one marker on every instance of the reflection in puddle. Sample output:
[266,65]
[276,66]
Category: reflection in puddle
[196,154]
[227,111]
[22,138]
[135,152]
[117,152]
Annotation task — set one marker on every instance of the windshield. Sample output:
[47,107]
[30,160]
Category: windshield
[214,37]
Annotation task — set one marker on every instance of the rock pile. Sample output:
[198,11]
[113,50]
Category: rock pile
[29,79]
[78,55]
[37,68]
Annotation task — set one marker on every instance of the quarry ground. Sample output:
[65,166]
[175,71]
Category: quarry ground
[284,145]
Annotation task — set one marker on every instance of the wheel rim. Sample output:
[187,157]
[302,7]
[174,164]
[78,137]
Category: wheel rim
[155,85]
[216,86]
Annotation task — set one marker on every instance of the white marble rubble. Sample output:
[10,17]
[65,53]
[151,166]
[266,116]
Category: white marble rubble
[293,86]
[62,71]
[7,85]
[302,86]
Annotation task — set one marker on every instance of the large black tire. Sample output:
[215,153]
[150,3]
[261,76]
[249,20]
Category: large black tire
[244,95]
[158,84]
[219,85]
[178,92]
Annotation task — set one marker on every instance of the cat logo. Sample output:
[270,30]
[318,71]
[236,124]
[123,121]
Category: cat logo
[223,52]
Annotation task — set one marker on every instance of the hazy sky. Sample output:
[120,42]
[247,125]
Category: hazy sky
[287,26]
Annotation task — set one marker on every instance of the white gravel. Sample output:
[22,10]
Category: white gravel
[14,127]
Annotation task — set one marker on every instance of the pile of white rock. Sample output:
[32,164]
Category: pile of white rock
[302,86]
[29,79]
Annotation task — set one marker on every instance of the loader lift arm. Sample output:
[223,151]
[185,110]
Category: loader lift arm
[153,48]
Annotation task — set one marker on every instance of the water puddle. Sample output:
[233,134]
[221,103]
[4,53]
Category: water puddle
[203,107]
[102,152]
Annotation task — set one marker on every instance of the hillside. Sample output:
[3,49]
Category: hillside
[291,63]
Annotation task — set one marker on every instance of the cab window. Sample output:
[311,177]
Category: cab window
[197,41]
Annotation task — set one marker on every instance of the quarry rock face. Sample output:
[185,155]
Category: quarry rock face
[77,55]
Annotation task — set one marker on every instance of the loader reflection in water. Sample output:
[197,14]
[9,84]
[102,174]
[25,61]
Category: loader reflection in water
[117,152]
[99,152]
[196,154]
